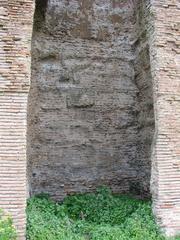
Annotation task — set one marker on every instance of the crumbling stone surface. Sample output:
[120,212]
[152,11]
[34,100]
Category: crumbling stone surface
[88,99]
[90,110]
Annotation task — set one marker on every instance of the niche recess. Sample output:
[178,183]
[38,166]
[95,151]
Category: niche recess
[90,111]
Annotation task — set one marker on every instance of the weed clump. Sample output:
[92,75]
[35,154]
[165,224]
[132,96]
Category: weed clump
[7,230]
[91,216]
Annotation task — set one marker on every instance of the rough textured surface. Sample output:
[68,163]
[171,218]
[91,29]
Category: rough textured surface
[86,125]
[165,63]
[15,37]
[90,105]
[145,113]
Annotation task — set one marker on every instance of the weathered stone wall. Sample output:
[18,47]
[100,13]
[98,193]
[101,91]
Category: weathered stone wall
[15,37]
[82,102]
[90,104]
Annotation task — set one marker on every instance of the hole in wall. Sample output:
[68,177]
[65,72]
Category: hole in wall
[40,13]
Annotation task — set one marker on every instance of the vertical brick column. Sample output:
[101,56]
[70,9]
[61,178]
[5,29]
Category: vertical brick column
[165,63]
[15,40]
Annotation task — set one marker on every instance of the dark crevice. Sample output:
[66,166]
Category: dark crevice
[40,14]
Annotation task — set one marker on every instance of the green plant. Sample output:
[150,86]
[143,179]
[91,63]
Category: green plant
[7,230]
[91,216]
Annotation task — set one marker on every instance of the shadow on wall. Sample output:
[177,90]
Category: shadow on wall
[40,12]
[143,81]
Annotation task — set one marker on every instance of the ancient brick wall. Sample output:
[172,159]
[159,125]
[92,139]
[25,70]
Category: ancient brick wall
[165,63]
[15,37]
[84,104]
[90,103]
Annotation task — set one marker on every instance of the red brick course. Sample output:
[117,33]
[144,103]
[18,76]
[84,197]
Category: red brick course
[15,41]
[164,39]
[165,64]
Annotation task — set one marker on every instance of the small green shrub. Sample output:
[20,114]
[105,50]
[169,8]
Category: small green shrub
[7,230]
[91,216]
[101,207]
